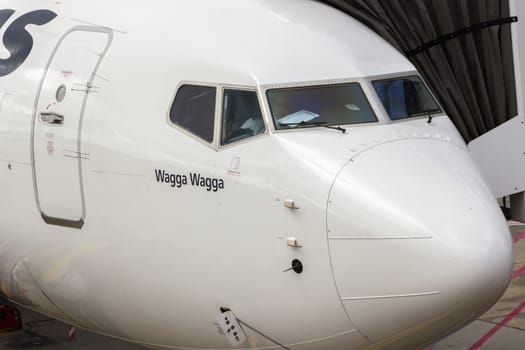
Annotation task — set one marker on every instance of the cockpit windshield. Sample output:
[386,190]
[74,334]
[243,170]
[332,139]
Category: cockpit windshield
[320,106]
[405,97]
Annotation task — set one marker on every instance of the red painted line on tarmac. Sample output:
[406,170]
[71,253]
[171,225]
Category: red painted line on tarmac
[496,328]
[519,237]
[518,272]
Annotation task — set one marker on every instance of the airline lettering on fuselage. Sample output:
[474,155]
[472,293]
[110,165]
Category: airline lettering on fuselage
[17,39]
[193,179]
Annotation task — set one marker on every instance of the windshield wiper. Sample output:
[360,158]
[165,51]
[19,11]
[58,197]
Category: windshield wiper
[429,113]
[323,124]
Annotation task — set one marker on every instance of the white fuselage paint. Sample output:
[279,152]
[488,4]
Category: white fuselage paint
[401,240]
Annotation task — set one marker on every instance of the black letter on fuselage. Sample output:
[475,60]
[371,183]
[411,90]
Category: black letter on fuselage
[5,15]
[17,39]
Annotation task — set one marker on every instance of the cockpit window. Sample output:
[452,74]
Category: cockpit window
[194,110]
[241,116]
[320,106]
[405,97]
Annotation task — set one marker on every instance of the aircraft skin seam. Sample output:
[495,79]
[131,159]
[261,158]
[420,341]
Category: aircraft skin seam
[392,296]
[331,259]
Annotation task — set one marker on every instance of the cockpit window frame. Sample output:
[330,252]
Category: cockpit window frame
[215,144]
[261,102]
[364,84]
[185,131]
[377,100]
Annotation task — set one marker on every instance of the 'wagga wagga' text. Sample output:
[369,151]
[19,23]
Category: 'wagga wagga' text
[195,180]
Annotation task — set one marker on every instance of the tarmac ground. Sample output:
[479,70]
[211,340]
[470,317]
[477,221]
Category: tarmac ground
[501,328]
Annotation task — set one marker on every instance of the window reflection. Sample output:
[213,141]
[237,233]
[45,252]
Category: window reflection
[320,105]
[241,117]
[405,97]
[194,110]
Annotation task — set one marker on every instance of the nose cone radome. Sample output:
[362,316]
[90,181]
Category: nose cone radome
[418,244]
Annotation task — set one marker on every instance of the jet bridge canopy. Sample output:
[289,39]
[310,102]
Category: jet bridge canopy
[462,48]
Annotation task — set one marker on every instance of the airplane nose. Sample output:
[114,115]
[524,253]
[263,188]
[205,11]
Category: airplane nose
[418,244]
